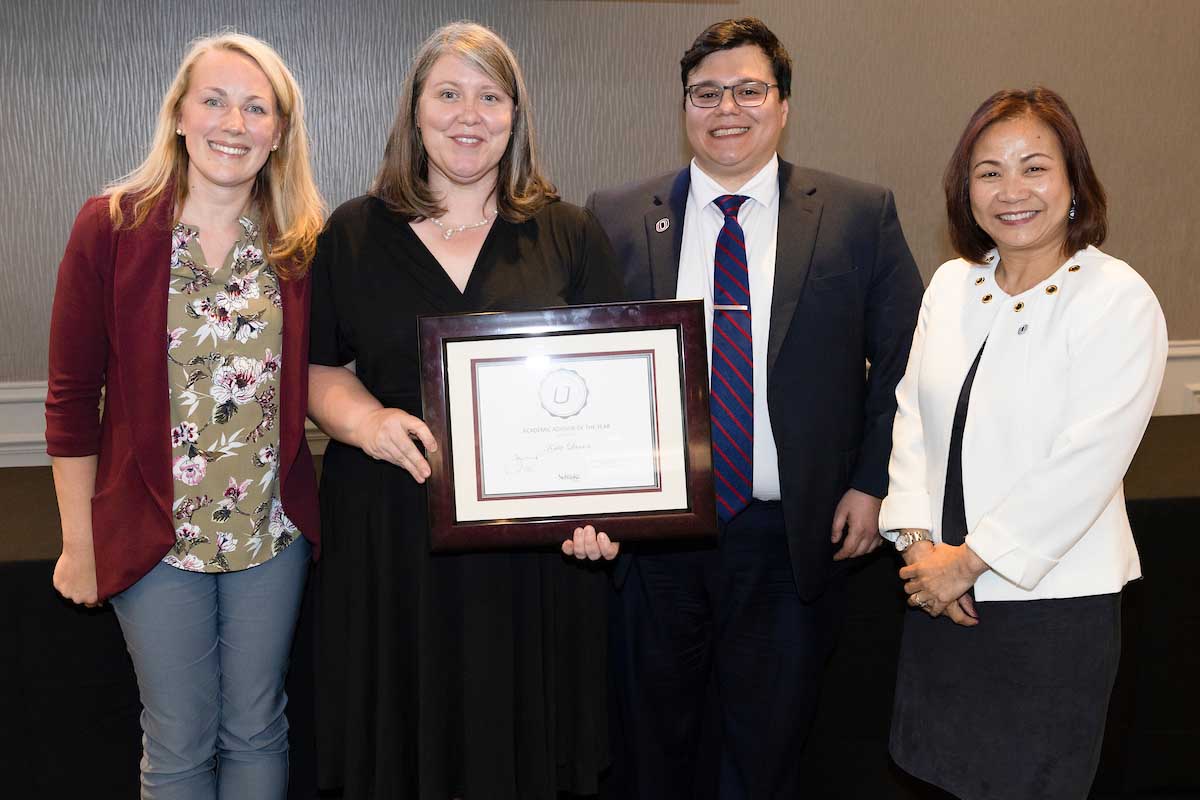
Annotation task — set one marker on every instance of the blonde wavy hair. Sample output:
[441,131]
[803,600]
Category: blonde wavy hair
[286,196]
[403,179]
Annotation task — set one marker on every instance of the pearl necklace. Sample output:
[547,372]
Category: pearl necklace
[448,232]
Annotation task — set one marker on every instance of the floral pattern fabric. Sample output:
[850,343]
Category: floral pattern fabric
[224,338]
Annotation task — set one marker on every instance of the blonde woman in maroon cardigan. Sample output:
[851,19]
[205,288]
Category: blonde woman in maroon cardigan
[190,503]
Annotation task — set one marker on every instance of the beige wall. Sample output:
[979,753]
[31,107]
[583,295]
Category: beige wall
[881,92]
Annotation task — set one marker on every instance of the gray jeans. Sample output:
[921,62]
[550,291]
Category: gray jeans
[211,653]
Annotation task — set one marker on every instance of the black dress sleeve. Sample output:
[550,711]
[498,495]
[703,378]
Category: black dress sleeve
[594,273]
[330,342]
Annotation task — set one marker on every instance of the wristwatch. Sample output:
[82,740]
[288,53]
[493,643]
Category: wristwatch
[910,536]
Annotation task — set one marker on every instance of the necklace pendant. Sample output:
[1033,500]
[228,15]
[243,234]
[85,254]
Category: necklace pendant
[448,232]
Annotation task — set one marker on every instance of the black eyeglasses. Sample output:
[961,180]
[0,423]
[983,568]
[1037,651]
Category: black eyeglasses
[747,95]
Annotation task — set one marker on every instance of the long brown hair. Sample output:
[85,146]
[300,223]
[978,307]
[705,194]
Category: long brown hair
[403,178]
[287,197]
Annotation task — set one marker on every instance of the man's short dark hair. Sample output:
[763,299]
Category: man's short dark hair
[731,33]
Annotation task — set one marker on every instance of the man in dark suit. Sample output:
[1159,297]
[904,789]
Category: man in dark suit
[805,277]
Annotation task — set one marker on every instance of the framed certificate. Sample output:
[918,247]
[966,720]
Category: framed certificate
[550,419]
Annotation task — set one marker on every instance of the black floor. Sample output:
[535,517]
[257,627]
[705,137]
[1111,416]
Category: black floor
[68,703]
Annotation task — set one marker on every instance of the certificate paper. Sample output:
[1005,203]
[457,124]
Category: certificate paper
[571,425]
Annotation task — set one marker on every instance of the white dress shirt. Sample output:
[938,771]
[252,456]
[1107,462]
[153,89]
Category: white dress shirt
[1061,398]
[759,218]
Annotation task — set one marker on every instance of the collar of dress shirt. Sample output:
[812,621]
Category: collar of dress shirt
[762,188]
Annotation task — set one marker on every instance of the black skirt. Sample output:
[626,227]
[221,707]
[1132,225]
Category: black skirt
[475,676]
[1013,708]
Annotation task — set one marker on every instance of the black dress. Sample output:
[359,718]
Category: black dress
[478,676]
[1013,708]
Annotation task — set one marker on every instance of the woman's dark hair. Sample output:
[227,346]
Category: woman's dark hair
[1090,225]
[731,33]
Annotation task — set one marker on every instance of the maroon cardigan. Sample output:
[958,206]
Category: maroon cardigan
[109,331]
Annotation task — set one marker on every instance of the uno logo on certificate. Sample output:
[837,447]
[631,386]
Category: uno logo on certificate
[564,393]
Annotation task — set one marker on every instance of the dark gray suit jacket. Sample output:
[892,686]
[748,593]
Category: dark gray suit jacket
[846,292]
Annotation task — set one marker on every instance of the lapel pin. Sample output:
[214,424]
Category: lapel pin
[662,224]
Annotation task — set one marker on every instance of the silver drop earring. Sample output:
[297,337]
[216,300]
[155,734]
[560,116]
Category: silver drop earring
[1071,213]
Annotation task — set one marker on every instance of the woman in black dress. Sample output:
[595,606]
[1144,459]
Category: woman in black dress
[1035,366]
[474,676]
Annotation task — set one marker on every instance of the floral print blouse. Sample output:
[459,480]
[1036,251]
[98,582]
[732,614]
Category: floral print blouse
[224,339]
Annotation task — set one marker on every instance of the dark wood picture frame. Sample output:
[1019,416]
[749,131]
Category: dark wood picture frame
[697,521]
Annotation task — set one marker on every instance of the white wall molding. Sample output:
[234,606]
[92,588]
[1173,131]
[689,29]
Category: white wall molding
[1181,385]
[23,426]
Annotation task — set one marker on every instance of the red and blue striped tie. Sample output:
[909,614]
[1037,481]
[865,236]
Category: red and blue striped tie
[732,387]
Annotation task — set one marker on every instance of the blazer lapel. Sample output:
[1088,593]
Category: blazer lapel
[141,274]
[800,217]
[664,235]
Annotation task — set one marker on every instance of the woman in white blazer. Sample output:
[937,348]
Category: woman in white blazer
[1034,370]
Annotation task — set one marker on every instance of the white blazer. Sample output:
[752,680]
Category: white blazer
[1061,398]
